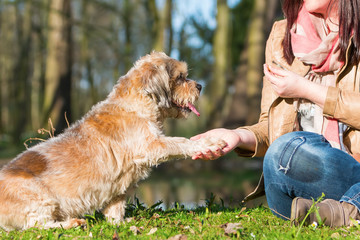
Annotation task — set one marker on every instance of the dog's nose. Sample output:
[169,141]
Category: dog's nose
[199,87]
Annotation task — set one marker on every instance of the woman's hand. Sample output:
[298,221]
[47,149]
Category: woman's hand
[291,85]
[233,138]
[285,83]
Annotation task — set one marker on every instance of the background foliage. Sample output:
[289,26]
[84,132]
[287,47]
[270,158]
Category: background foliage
[63,56]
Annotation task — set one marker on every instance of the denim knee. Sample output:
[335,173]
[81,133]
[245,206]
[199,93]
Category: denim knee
[278,148]
[295,155]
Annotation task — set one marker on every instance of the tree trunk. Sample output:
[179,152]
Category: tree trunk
[238,111]
[1,73]
[38,77]
[6,67]
[239,108]
[58,74]
[86,53]
[273,11]
[256,56]
[127,20]
[153,19]
[218,85]
[21,80]
[163,39]
[169,29]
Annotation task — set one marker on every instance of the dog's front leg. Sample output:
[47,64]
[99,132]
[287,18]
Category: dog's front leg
[115,210]
[179,147]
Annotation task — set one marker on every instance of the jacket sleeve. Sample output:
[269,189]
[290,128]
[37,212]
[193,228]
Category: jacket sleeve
[260,129]
[344,104]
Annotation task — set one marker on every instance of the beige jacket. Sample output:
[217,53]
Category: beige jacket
[278,115]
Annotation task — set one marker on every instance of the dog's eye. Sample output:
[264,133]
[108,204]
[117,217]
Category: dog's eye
[180,78]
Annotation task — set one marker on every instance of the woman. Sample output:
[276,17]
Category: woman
[309,127]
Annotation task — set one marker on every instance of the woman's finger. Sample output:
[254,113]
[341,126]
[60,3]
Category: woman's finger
[198,155]
[210,155]
[226,149]
[271,77]
[277,71]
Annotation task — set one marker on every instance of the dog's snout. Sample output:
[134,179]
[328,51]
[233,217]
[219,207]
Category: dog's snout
[199,87]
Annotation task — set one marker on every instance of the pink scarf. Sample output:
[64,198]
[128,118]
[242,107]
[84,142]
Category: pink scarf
[314,44]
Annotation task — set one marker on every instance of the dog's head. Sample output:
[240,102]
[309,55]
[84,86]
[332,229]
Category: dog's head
[165,81]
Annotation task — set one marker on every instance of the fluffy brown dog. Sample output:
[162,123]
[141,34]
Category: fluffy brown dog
[92,164]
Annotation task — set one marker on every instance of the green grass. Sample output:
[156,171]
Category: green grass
[212,221]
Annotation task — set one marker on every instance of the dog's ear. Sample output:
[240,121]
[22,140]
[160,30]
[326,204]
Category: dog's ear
[156,82]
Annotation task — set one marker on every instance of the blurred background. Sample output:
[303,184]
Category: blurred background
[60,57]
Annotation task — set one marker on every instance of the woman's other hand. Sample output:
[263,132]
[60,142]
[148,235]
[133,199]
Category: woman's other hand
[291,85]
[285,83]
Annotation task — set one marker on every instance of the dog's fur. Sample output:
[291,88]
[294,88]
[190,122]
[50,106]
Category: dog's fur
[92,164]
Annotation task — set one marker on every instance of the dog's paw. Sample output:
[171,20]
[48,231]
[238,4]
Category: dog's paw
[75,222]
[210,143]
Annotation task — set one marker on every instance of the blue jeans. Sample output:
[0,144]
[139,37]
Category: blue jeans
[303,164]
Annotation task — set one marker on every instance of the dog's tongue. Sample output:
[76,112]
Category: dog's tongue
[193,109]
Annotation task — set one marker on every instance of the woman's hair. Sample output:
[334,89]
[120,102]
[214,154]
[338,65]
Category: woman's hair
[349,23]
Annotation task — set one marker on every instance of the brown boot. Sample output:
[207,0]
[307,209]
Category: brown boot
[332,212]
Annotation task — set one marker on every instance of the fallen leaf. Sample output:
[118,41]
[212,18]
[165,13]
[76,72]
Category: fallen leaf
[129,219]
[178,237]
[239,215]
[115,236]
[242,209]
[231,228]
[190,229]
[135,230]
[152,231]
[335,235]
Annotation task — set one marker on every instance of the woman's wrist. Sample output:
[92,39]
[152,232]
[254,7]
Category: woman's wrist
[315,93]
[247,139]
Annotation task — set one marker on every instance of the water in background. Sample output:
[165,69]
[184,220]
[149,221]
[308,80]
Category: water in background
[190,182]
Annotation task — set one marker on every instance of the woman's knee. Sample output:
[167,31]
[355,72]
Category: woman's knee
[295,155]
[280,146]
